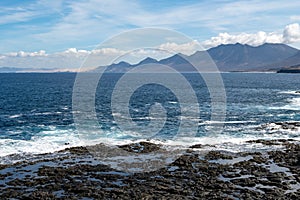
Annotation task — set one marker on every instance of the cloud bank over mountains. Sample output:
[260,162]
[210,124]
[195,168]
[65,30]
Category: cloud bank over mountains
[290,34]
[72,59]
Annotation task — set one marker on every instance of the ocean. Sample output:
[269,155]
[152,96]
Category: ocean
[36,114]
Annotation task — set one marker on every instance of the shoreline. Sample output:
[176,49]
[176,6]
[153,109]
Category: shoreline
[198,172]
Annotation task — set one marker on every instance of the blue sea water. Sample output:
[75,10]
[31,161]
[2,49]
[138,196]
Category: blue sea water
[36,114]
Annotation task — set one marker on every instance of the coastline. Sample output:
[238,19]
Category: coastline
[199,172]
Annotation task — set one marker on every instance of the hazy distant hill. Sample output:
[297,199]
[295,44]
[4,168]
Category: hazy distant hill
[124,66]
[26,70]
[11,69]
[230,57]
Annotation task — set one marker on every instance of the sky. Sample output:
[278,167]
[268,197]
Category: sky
[61,33]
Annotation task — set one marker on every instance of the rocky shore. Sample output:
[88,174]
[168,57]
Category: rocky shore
[196,174]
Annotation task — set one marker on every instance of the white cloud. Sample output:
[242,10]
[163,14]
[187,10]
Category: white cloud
[186,48]
[69,59]
[79,23]
[17,17]
[107,51]
[289,35]
[26,54]
[243,38]
[295,17]
[29,11]
[73,58]
[92,19]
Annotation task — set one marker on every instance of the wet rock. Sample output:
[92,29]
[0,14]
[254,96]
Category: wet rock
[190,176]
[36,195]
[141,147]
[3,166]
[214,155]
[76,150]
[265,142]
[196,146]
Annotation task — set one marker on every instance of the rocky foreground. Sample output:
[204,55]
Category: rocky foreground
[75,174]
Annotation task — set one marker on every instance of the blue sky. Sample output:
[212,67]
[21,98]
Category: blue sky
[57,25]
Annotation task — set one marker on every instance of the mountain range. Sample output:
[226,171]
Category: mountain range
[229,57]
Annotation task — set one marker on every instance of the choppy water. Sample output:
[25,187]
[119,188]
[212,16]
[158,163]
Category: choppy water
[36,113]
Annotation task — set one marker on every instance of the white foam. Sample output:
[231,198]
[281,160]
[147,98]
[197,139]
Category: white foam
[223,142]
[227,122]
[65,108]
[276,130]
[43,113]
[15,116]
[44,142]
[293,104]
[290,92]
[53,138]
[233,143]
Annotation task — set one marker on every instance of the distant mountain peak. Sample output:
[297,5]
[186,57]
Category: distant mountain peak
[239,44]
[122,63]
[175,59]
[230,45]
[147,61]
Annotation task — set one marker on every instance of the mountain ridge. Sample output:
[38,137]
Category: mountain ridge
[228,57]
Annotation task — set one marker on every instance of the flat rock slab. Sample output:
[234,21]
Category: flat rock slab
[75,174]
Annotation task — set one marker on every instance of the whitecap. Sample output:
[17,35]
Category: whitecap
[15,116]
[290,92]
[293,105]
[226,122]
[46,141]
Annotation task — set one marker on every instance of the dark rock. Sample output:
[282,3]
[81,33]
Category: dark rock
[193,176]
[141,147]
[76,150]
[214,155]
[196,146]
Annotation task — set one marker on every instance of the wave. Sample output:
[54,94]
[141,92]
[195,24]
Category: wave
[53,138]
[294,104]
[56,139]
[226,122]
[293,101]
[295,92]
[46,141]
[32,114]
[15,116]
